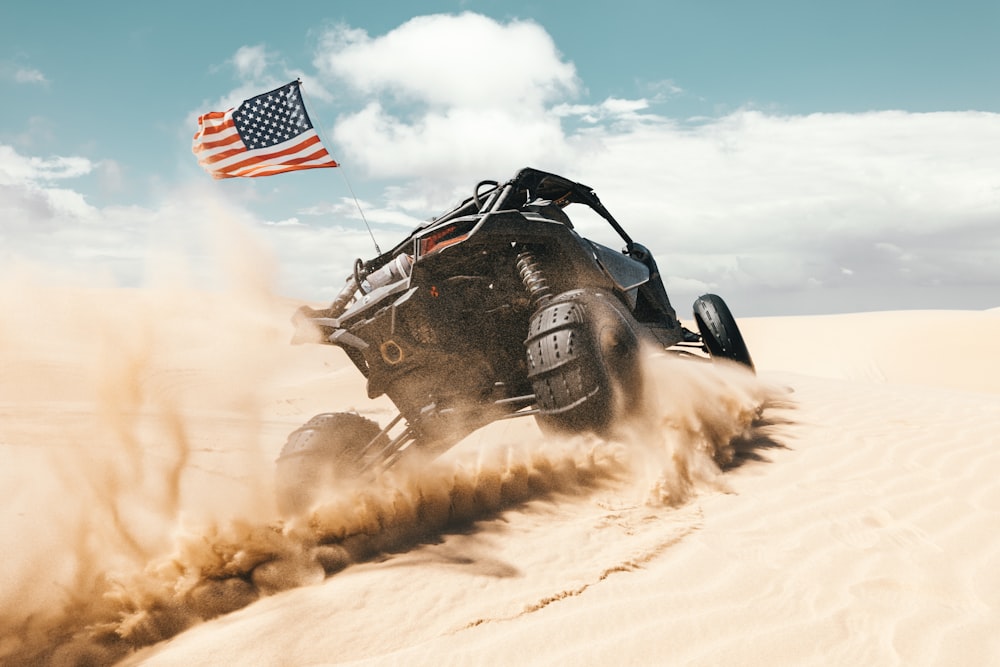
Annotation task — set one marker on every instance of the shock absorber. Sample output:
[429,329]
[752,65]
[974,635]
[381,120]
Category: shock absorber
[533,278]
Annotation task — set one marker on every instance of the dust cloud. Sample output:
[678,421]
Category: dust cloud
[103,454]
[698,419]
[137,482]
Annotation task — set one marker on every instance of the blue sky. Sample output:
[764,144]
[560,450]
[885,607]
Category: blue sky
[795,157]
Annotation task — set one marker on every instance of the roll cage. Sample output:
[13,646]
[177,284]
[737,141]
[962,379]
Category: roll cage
[530,187]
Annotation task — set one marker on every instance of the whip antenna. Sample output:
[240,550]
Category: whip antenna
[343,171]
[378,251]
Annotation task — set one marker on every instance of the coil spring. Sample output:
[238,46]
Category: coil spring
[533,278]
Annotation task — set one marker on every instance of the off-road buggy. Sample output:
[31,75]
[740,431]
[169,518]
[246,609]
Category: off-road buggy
[497,308]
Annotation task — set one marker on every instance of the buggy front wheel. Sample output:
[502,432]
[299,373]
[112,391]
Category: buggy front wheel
[719,332]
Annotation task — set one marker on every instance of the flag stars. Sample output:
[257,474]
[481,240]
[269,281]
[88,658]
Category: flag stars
[272,118]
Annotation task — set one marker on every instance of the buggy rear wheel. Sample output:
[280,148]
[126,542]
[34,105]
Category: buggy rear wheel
[327,447]
[719,331]
[583,362]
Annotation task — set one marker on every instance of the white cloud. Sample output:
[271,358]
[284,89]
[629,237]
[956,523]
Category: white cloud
[611,109]
[16,168]
[250,61]
[664,89]
[449,143]
[762,178]
[26,197]
[22,74]
[444,61]
[29,75]
[446,96]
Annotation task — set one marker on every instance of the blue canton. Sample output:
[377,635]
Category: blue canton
[272,118]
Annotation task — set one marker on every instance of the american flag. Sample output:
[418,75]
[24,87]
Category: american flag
[266,135]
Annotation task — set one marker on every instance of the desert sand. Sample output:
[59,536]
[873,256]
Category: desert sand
[840,508]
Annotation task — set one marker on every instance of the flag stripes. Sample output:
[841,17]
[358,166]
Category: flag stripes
[266,135]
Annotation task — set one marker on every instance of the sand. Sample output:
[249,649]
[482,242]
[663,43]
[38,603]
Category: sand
[840,508]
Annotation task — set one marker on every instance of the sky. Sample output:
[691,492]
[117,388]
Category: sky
[795,157]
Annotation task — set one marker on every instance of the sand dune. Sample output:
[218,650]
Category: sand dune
[839,508]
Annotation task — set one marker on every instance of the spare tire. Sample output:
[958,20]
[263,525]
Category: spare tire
[719,332]
[327,447]
[583,362]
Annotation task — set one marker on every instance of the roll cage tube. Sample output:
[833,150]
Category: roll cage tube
[475,193]
[535,183]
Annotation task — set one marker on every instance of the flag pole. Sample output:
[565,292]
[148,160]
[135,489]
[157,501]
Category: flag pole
[343,172]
